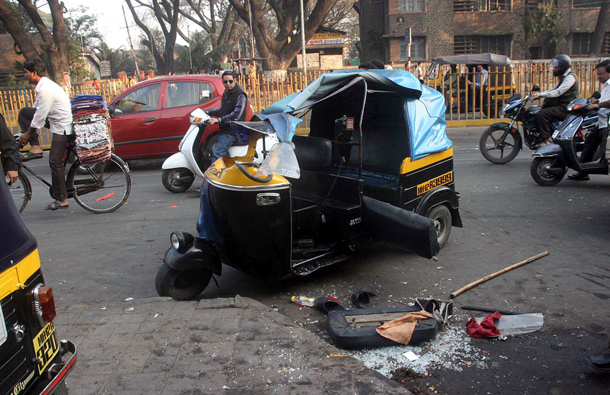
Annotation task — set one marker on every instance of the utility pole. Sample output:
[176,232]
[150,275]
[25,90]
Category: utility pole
[303,41]
[133,53]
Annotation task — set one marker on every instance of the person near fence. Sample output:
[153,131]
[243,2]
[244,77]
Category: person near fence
[251,71]
[598,136]
[556,100]
[233,108]
[9,152]
[52,107]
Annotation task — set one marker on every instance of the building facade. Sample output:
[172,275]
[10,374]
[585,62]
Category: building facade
[452,27]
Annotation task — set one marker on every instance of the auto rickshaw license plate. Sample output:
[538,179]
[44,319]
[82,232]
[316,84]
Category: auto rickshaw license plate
[46,346]
[434,183]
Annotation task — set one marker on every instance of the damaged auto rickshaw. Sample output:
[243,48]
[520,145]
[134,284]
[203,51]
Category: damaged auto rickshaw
[376,165]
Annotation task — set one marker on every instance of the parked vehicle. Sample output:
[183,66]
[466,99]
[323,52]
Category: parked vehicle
[32,359]
[551,162]
[488,98]
[149,119]
[377,165]
[180,169]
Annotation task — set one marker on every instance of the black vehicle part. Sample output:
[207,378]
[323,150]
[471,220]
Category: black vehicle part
[488,310]
[326,304]
[403,228]
[181,284]
[357,328]
[313,152]
[360,298]
[200,255]
[499,151]
[240,166]
[441,195]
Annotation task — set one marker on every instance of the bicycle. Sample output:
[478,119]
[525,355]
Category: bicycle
[99,188]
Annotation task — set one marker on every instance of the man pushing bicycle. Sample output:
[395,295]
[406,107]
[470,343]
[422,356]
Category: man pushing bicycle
[53,106]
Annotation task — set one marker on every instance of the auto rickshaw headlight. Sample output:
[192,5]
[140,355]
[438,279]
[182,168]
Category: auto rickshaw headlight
[181,241]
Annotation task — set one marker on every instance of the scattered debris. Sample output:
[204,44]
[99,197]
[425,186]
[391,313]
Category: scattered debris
[411,356]
[130,309]
[303,301]
[490,276]
[337,355]
[510,325]
[128,299]
[173,206]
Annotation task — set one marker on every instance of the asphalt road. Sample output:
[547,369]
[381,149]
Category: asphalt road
[99,259]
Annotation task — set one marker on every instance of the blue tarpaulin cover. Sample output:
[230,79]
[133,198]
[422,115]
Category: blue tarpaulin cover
[425,106]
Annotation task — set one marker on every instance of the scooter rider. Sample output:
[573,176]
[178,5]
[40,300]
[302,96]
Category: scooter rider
[599,135]
[233,108]
[557,99]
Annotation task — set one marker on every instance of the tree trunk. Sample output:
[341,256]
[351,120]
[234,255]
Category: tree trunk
[597,38]
[22,39]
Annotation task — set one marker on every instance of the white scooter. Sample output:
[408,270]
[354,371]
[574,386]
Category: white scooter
[180,169]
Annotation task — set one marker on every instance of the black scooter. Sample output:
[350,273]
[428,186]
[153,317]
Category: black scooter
[551,161]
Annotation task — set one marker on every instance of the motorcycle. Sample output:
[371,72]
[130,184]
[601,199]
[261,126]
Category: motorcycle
[376,165]
[501,142]
[180,169]
[551,162]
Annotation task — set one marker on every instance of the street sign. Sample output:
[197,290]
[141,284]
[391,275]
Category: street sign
[105,68]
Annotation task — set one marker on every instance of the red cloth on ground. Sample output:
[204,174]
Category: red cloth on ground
[487,327]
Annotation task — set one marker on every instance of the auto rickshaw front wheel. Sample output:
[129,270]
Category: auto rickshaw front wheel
[181,284]
[442,222]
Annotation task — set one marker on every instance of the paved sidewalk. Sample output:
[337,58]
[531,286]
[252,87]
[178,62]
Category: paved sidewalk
[231,345]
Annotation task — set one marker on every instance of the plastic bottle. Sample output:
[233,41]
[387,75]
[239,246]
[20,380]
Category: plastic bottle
[303,300]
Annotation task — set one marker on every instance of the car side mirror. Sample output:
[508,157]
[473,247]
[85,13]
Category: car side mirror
[111,109]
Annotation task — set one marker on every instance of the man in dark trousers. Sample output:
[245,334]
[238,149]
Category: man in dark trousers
[557,99]
[9,152]
[233,108]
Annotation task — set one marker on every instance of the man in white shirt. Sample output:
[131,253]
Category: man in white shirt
[598,136]
[52,106]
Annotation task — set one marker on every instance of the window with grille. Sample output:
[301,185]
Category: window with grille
[587,3]
[407,6]
[482,44]
[418,49]
[481,5]
[580,43]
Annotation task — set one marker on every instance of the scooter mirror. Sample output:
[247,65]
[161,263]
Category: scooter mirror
[535,88]
[596,95]
[281,161]
[199,116]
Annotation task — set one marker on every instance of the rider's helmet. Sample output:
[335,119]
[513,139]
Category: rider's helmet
[560,63]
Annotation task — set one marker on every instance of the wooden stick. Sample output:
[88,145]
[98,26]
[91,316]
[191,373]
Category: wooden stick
[489,277]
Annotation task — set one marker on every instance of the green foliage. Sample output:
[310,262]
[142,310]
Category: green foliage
[545,23]
[11,80]
[23,18]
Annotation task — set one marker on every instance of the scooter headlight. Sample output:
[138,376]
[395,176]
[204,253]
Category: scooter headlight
[181,241]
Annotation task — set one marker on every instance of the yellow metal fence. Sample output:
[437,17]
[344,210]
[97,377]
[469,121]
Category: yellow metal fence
[465,102]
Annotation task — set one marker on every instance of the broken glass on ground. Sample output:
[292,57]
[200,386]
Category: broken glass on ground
[518,324]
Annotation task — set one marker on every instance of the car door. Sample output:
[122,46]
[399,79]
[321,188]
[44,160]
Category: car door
[182,98]
[135,120]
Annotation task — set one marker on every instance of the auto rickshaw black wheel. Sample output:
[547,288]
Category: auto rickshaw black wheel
[207,151]
[442,222]
[496,151]
[181,284]
[541,174]
[177,180]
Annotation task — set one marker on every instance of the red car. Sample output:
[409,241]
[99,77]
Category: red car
[150,118]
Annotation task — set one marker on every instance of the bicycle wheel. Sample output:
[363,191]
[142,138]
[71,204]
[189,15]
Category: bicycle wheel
[101,189]
[21,191]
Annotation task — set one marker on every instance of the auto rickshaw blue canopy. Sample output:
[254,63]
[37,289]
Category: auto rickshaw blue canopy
[425,106]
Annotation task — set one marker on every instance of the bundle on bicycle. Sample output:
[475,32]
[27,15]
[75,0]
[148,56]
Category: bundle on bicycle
[98,180]
[32,358]
[376,165]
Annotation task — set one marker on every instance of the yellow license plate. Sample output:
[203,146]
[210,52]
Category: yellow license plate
[46,346]
[434,183]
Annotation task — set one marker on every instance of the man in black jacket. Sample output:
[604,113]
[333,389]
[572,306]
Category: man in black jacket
[9,151]
[233,108]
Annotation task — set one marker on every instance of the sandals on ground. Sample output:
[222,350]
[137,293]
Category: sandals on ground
[56,206]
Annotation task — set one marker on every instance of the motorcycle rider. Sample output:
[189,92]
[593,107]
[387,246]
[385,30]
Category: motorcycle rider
[599,135]
[557,99]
